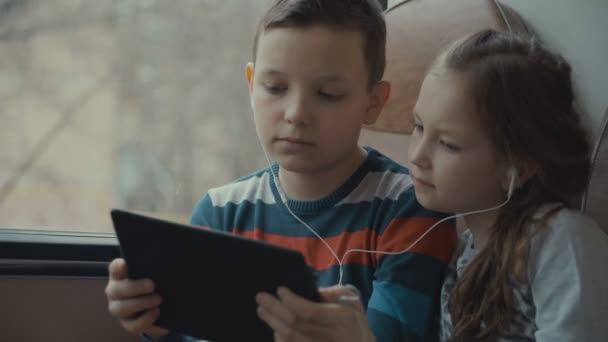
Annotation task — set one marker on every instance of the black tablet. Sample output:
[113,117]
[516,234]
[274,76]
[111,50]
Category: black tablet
[208,279]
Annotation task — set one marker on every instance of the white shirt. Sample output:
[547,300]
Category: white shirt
[567,295]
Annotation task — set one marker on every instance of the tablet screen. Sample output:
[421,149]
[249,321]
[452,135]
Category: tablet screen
[208,279]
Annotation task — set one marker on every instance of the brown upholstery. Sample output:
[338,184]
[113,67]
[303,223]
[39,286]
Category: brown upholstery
[392,145]
[595,200]
[417,30]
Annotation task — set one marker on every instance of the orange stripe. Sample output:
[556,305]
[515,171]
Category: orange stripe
[439,243]
[400,233]
[316,253]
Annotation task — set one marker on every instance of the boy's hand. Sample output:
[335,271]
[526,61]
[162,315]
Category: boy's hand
[133,302]
[295,319]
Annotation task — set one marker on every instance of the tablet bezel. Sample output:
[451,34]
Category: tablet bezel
[174,256]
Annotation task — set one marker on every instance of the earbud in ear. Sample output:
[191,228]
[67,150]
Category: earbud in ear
[512,174]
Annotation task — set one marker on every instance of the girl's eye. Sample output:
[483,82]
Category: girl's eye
[450,147]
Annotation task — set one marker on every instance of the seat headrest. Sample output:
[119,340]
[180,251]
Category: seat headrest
[595,199]
[417,31]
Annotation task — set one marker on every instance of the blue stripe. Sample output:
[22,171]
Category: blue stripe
[419,272]
[376,162]
[257,173]
[406,305]
[388,329]
[332,221]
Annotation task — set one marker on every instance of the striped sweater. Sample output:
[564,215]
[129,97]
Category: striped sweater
[375,209]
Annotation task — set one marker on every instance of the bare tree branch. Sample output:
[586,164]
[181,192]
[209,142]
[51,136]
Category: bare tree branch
[67,115]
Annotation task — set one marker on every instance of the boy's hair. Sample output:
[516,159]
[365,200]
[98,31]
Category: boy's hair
[364,16]
[524,98]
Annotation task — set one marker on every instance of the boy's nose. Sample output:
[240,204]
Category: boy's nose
[297,112]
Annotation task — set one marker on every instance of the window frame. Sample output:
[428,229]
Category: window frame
[53,253]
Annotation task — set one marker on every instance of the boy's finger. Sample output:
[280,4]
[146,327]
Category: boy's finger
[156,331]
[128,288]
[128,308]
[282,330]
[305,309]
[285,324]
[118,269]
[143,323]
[293,338]
[278,338]
[275,308]
[274,322]
[345,295]
[334,293]
[317,315]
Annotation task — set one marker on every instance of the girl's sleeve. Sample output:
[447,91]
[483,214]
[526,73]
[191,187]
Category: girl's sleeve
[569,280]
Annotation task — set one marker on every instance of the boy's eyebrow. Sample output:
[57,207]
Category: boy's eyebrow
[270,71]
[332,78]
[324,78]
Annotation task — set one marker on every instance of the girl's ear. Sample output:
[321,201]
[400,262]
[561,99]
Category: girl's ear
[519,174]
[378,97]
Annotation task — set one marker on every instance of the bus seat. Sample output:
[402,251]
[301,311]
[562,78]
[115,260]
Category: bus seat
[417,30]
[595,199]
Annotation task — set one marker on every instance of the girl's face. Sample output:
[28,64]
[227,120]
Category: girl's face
[454,165]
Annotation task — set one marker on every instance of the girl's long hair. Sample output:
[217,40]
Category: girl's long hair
[523,94]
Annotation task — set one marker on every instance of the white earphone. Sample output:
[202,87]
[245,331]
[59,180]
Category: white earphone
[511,172]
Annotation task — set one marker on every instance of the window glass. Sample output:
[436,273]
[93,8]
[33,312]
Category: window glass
[136,104]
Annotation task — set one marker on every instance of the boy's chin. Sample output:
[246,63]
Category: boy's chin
[296,166]
[427,202]
[304,164]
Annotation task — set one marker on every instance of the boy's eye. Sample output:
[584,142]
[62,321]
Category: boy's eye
[274,88]
[418,127]
[449,147]
[330,96]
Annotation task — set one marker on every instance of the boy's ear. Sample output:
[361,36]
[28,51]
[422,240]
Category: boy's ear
[249,75]
[378,97]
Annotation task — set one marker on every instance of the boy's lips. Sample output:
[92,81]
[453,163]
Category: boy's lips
[296,141]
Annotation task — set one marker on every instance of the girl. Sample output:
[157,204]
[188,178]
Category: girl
[495,127]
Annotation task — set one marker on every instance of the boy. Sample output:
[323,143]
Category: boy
[316,77]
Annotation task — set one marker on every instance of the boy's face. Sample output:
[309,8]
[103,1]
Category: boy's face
[309,94]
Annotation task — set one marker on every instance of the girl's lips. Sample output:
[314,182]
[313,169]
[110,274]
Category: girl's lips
[420,181]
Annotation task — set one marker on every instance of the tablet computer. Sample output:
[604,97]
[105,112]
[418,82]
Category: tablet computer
[208,279]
